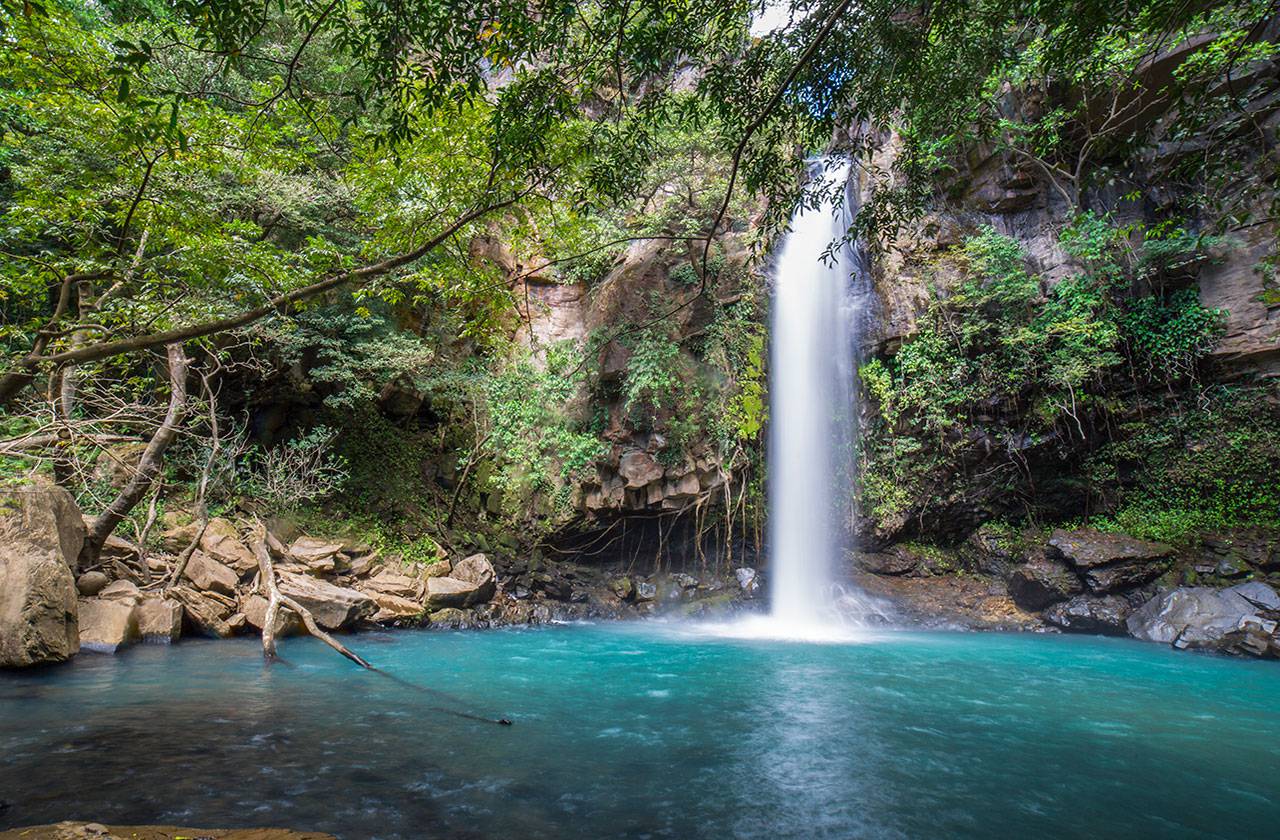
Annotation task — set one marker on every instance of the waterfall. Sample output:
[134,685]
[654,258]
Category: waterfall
[821,296]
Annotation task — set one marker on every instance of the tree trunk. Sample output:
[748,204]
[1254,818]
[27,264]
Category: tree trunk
[148,466]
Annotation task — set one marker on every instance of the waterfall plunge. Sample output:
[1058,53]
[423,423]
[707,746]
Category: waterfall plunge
[819,306]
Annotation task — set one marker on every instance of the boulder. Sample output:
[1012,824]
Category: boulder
[1110,562]
[222,542]
[684,581]
[206,613]
[363,565]
[117,464]
[1091,614]
[645,591]
[390,583]
[316,554]
[91,583]
[254,609]
[333,607]
[475,569]
[177,535]
[1042,581]
[209,575]
[159,619]
[440,568]
[1203,617]
[41,534]
[452,617]
[125,591]
[638,469]
[394,608]
[622,587]
[118,548]
[748,581]
[106,625]
[452,592]
[897,561]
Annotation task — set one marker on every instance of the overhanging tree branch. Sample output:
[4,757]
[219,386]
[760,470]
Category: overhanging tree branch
[15,380]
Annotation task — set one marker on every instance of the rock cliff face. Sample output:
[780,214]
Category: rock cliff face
[1015,197]
[649,282]
[41,532]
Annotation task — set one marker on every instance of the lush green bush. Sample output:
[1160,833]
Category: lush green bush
[996,362]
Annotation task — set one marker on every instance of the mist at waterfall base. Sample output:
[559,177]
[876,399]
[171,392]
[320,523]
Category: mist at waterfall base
[649,731]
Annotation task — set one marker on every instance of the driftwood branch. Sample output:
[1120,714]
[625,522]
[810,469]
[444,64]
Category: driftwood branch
[276,599]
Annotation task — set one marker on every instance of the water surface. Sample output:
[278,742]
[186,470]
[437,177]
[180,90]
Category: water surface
[641,731]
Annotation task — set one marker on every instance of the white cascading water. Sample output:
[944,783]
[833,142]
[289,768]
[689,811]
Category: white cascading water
[820,299]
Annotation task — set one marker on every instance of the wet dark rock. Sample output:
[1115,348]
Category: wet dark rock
[1090,614]
[895,561]
[991,551]
[1042,581]
[622,587]
[1110,562]
[454,619]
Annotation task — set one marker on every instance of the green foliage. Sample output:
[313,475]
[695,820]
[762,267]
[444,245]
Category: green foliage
[1172,334]
[653,374]
[539,445]
[1205,463]
[300,472]
[998,361]
[386,463]
[351,354]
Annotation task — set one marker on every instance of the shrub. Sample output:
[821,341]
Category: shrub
[299,472]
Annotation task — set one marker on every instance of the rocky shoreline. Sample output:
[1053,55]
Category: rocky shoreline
[1221,597]
[50,610]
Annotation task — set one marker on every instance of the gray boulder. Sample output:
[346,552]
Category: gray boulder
[91,583]
[207,613]
[1104,614]
[221,541]
[210,575]
[896,561]
[748,581]
[472,581]
[1204,618]
[288,622]
[41,534]
[321,556]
